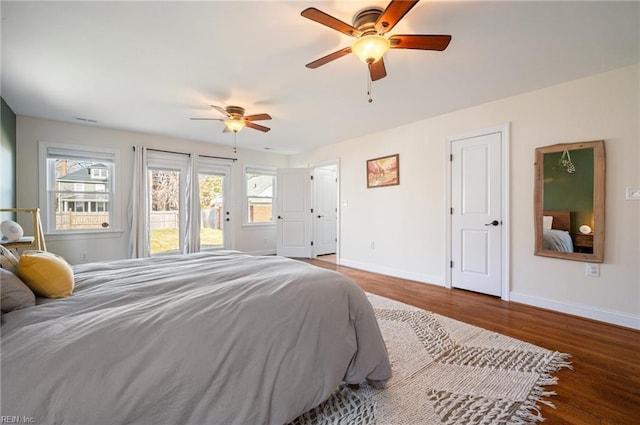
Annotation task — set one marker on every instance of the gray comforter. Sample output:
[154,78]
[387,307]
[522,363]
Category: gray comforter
[557,240]
[222,338]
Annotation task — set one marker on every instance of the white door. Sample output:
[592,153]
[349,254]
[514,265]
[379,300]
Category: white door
[325,210]
[293,194]
[476,222]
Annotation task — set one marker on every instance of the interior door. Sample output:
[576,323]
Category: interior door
[293,193]
[476,223]
[325,210]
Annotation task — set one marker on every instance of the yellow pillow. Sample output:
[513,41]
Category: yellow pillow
[47,274]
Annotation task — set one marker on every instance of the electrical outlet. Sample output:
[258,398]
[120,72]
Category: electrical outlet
[632,194]
[83,255]
[593,269]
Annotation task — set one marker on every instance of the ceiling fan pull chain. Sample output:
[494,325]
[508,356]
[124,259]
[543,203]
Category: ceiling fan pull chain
[235,140]
[369,83]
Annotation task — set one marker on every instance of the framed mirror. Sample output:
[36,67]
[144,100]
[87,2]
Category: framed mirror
[569,201]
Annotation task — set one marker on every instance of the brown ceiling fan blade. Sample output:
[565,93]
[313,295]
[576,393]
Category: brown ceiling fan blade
[330,57]
[392,15]
[258,117]
[420,42]
[221,110]
[256,126]
[331,22]
[377,70]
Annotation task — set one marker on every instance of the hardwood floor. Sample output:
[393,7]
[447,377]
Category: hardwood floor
[604,386]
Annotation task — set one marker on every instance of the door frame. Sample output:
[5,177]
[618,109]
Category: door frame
[504,130]
[313,166]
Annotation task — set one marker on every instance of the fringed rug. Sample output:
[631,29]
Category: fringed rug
[445,372]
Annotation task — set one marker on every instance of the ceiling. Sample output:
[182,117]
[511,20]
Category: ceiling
[150,66]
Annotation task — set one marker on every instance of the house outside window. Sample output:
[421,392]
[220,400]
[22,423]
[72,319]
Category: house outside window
[77,190]
[259,190]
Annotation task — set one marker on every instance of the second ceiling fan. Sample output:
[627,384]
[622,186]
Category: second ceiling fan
[369,27]
[236,120]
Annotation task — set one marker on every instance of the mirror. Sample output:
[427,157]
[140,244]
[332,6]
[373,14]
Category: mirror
[569,201]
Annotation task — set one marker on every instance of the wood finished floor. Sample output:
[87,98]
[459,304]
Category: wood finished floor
[604,386]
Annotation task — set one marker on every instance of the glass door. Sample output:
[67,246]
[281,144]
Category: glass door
[215,212]
[166,210]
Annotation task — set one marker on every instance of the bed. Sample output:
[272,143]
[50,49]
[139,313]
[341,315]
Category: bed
[556,234]
[207,338]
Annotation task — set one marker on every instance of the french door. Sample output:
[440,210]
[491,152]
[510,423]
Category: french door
[215,206]
[189,207]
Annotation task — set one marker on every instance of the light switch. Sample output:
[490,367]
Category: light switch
[633,194]
[593,269]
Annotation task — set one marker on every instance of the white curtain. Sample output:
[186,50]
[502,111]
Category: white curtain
[138,211]
[192,201]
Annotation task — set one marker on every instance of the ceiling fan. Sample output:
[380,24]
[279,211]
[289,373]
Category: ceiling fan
[369,27]
[236,120]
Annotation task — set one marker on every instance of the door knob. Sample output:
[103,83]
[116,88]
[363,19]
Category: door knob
[320,216]
[279,217]
[493,223]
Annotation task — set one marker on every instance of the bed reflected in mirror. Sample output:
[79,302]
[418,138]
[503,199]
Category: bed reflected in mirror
[569,201]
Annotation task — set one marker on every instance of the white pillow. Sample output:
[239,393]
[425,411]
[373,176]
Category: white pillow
[11,230]
[547,222]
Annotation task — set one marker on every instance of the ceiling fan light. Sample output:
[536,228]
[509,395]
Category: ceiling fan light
[370,48]
[234,124]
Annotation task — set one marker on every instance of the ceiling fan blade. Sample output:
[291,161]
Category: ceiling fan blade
[257,117]
[330,57]
[331,22]
[206,119]
[221,110]
[392,15]
[256,126]
[377,70]
[420,42]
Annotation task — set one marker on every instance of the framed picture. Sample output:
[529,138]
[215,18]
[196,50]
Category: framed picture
[384,171]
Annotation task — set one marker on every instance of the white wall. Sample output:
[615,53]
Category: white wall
[31,130]
[407,222]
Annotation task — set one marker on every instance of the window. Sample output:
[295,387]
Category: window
[69,196]
[99,173]
[259,189]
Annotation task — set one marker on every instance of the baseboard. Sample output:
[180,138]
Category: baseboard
[578,310]
[388,271]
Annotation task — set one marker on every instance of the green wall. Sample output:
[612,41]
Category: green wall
[570,191]
[7,160]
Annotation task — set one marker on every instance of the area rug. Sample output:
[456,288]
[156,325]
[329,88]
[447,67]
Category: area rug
[445,372]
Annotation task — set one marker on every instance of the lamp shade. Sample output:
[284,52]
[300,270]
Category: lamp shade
[370,48]
[11,230]
[234,124]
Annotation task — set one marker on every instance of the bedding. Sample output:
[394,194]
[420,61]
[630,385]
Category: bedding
[207,338]
[557,240]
